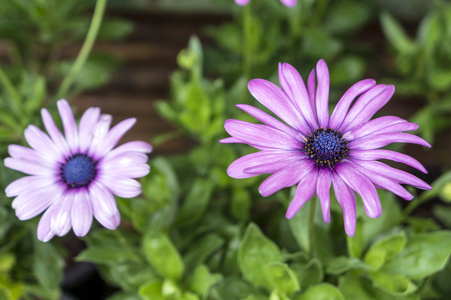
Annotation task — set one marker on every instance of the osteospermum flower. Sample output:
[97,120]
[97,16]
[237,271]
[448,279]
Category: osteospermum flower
[315,150]
[288,3]
[74,178]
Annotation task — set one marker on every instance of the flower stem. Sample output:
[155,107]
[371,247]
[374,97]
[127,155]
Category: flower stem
[247,32]
[85,49]
[311,224]
[124,243]
[417,201]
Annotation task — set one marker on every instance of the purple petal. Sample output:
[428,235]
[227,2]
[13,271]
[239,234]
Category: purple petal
[41,142]
[270,121]
[236,169]
[311,86]
[323,191]
[367,105]
[288,176]
[44,231]
[322,93]
[60,221]
[120,186]
[380,140]
[346,199]
[288,3]
[363,186]
[113,136]
[21,152]
[134,146]
[343,105]
[377,125]
[293,85]
[261,135]
[387,154]
[272,167]
[29,167]
[278,102]
[69,125]
[242,2]
[102,198]
[81,214]
[122,159]
[304,192]
[394,174]
[34,202]
[86,126]
[55,133]
[28,183]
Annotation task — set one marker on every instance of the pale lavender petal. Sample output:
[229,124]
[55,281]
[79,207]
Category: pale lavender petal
[134,146]
[342,107]
[29,205]
[81,214]
[55,133]
[322,93]
[278,102]
[288,3]
[242,2]
[41,142]
[380,140]
[374,126]
[45,232]
[130,171]
[99,133]
[86,126]
[270,121]
[231,140]
[102,199]
[346,199]
[304,191]
[387,154]
[28,167]
[21,152]
[394,174]
[293,85]
[60,221]
[286,177]
[385,183]
[120,186]
[27,183]
[113,137]
[323,191]
[236,169]
[363,186]
[122,159]
[311,87]
[261,135]
[272,167]
[69,124]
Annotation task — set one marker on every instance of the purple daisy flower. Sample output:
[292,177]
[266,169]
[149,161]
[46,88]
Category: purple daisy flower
[316,151]
[74,178]
[288,3]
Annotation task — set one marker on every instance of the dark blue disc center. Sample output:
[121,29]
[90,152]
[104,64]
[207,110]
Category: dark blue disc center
[79,170]
[326,147]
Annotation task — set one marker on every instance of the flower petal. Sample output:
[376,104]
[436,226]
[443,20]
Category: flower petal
[113,136]
[384,124]
[322,93]
[343,105]
[129,171]
[272,167]
[55,133]
[323,191]
[304,191]
[69,125]
[121,186]
[32,203]
[103,205]
[289,3]
[27,183]
[346,199]
[41,142]
[44,231]
[311,86]
[99,133]
[122,159]
[85,128]
[28,167]
[81,214]
[380,140]
[387,154]
[242,2]
[60,221]
[288,176]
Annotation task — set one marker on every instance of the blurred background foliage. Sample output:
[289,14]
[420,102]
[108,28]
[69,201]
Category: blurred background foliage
[196,233]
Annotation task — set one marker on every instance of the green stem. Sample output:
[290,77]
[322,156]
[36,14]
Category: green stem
[311,224]
[124,243]
[417,201]
[247,53]
[85,49]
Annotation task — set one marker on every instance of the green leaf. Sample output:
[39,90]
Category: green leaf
[353,288]
[394,284]
[423,255]
[47,265]
[355,243]
[202,280]
[443,214]
[107,254]
[162,255]
[7,261]
[323,291]
[236,288]
[385,249]
[195,203]
[310,273]
[420,225]
[241,203]
[254,253]
[130,275]
[395,34]
[202,249]
[281,277]
[151,290]
[114,29]
[341,264]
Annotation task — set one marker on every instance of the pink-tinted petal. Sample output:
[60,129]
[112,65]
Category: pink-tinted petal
[55,133]
[288,176]
[278,102]
[120,186]
[322,93]
[99,133]
[104,206]
[113,136]
[288,3]
[261,135]
[134,146]
[304,191]
[367,105]
[311,87]
[86,126]
[387,154]
[129,171]
[28,167]
[81,214]
[272,167]
[346,199]
[69,125]
[242,2]
[122,159]
[342,107]
[41,142]
[270,121]
[293,85]
[28,154]
[363,186]
[61,219]
[380,140]
[44,231]
[323,191]
[31,204]
[27,183]
[377,125]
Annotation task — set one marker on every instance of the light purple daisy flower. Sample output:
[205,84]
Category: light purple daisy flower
[74,178]
[316,151]
[287,3]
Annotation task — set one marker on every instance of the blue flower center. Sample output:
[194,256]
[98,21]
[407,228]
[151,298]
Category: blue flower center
[79,170]
[326,147]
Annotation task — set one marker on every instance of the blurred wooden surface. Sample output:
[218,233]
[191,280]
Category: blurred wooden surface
[148,57]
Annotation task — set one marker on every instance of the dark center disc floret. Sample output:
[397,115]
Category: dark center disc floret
[326,147]
[78,171]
